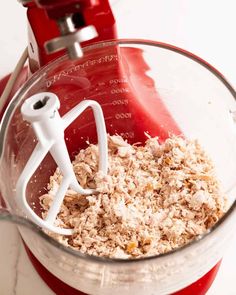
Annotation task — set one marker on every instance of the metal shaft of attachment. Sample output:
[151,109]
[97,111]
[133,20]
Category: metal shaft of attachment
[66,27]
[70,38]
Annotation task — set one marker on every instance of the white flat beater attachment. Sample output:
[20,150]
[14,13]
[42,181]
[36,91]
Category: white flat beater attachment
[41,110]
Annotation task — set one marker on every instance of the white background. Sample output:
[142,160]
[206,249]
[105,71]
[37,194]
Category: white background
[205,27]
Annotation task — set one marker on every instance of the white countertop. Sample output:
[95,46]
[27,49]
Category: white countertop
[206,28]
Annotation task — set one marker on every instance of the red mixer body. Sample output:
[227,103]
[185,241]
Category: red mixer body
[200,287]
[42,27]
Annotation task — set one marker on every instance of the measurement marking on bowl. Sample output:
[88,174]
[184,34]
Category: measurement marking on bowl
[120,102]
[120,116]
[118,81]
[119,90]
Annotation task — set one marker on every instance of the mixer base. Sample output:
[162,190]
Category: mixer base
[199,287]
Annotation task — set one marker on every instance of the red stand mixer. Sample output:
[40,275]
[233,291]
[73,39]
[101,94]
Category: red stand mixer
[116,70]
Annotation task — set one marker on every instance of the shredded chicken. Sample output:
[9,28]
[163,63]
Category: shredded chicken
[155,198]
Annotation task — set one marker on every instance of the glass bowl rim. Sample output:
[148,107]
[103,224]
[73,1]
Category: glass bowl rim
[5,215]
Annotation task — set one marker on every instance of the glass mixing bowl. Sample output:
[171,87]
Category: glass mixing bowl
[142,87]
